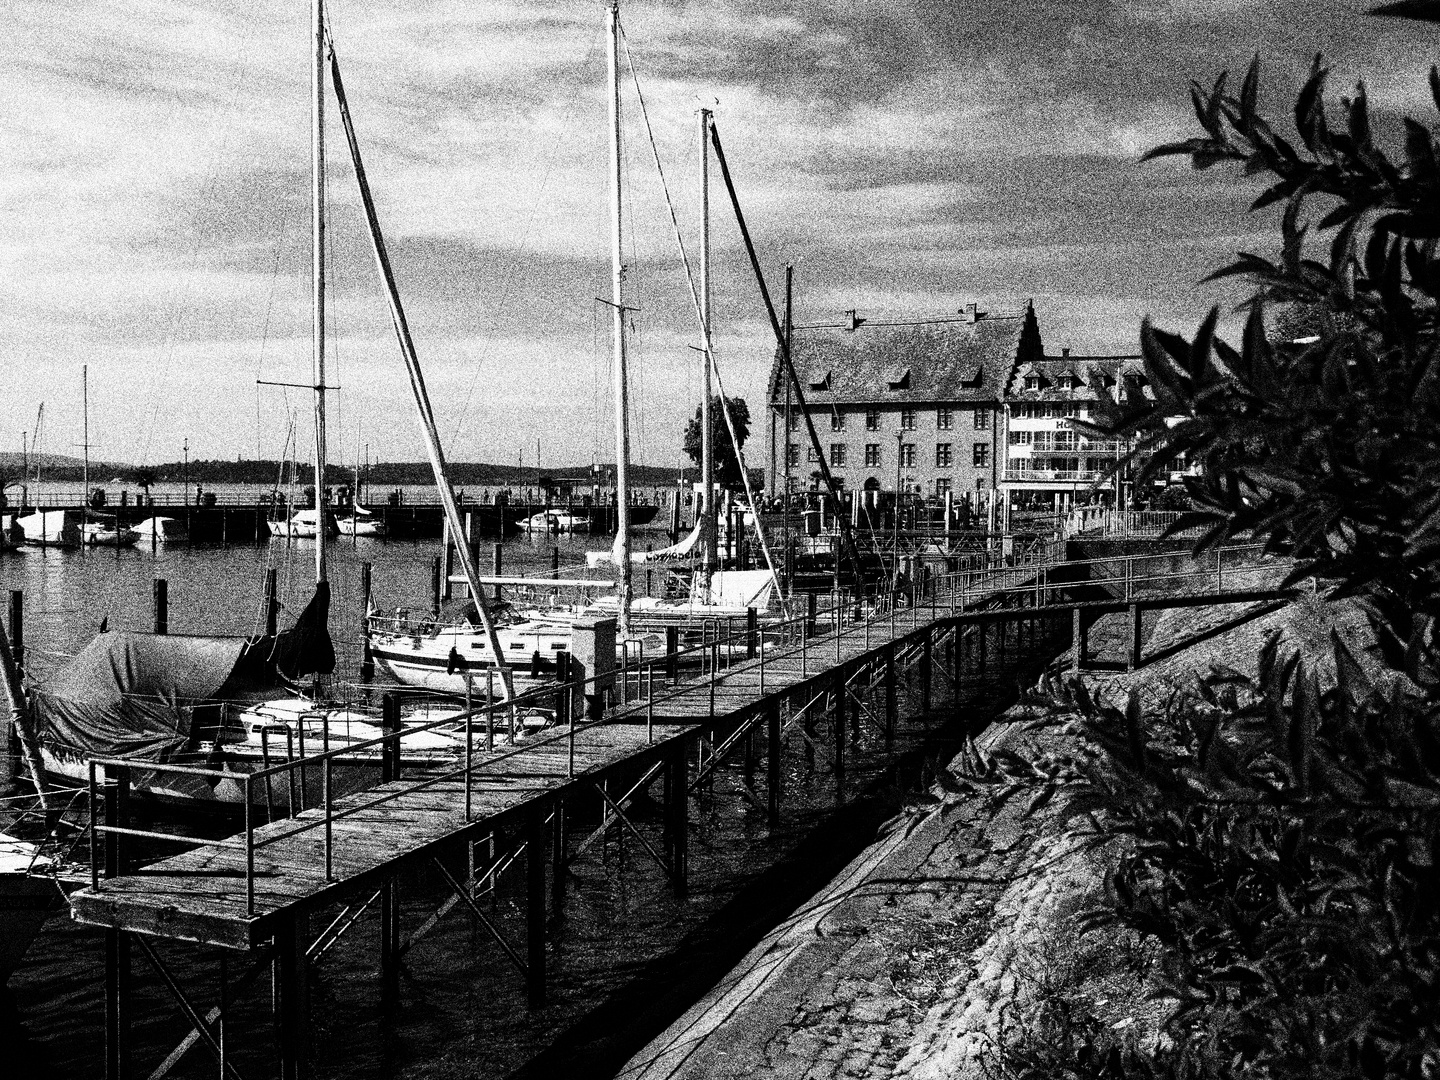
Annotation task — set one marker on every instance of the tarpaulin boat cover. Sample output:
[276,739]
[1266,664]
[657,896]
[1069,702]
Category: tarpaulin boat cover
[135,695]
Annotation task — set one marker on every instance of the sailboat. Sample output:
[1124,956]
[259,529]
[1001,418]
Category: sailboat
[444,657]
[209,701]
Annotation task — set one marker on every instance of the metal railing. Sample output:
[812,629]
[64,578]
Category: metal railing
[715,646]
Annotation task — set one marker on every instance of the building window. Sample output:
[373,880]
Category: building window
[944,419]
[907,419]
[1032,382]
[837,454]
[810,455]
[942,455]
[1021,438]
[907,455]
[837,420]
[872,453]
[792,454]
[981,456]
[794,420]
[942,486]
[982,419]
[872,419]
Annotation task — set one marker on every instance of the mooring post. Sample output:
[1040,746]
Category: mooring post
[1132,658]
[162,606]
[752,633]
[535,911]
[390,942]
[288,998]
[672,653]
[772,761]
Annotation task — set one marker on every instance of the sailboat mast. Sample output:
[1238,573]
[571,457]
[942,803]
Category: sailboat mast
[85,402]
[622,409]
[317,240]
[707,440]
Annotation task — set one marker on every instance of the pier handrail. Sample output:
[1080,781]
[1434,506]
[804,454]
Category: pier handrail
[763,642]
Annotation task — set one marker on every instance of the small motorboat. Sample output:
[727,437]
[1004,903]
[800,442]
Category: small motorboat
[557,521]
[361,522]
[303,524]
[108,532]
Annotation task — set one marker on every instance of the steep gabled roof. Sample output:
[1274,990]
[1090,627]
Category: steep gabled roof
[1098,377]
[935,360]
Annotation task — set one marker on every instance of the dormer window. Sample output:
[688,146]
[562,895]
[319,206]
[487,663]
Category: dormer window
[1032,382]
[899,380]
[822,383]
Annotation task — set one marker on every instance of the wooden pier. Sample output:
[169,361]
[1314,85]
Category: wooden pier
[813,682]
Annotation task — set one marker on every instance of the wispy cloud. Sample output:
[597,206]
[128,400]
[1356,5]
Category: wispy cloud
[906,157]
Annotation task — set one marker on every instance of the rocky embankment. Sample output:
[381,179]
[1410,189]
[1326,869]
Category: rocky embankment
[958,927]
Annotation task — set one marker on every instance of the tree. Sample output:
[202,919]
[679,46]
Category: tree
[727,466]
[1279,838]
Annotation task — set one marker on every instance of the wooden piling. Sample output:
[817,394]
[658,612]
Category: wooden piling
[892,709]
[927,659]
[437,571]
[288,1004]
[1077,642]
[367,661]
[390,942]
[1132,655]
[772,762]
[535,911]
[497,566]
[272,604]
[558,860]
[840,705]
[677,820]
[162,606]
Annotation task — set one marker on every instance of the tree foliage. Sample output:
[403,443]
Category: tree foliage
[727,465]
[1281,835]
[1326,449]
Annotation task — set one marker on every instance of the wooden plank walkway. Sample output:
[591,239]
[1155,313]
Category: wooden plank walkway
[200,895]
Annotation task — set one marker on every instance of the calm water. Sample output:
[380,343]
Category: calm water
[627,957]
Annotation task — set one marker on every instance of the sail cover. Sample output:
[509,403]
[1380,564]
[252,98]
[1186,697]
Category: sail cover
[134,695]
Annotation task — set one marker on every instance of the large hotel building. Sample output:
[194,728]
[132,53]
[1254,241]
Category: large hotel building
[966,403]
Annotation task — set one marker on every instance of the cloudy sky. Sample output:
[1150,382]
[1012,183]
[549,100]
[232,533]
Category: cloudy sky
[907,156]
